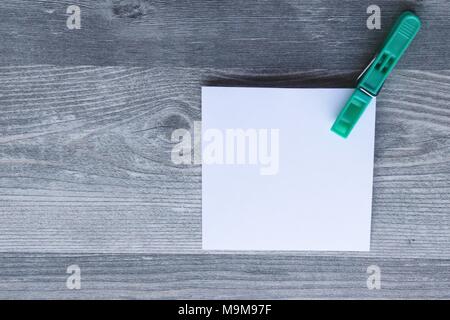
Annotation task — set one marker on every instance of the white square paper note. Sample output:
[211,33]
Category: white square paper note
[274,177]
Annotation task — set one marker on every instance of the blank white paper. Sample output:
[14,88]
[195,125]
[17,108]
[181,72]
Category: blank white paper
[321,196]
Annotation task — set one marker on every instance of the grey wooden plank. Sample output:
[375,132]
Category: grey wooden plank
[85,154]
[287,34]
[38,276]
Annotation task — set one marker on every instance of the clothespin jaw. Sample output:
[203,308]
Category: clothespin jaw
[373,78]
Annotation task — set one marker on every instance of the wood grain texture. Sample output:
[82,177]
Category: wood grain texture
[34,276]
[86,160]
[85,124]
[288,34]
[86,163]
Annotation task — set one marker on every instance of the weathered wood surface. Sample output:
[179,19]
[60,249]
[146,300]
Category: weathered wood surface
[288,34]
[35,276]
[86,166]
[85,124]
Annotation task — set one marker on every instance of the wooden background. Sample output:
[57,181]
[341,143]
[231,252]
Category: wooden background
[85,123]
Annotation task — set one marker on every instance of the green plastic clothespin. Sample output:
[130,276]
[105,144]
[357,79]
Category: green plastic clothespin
[372,79]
